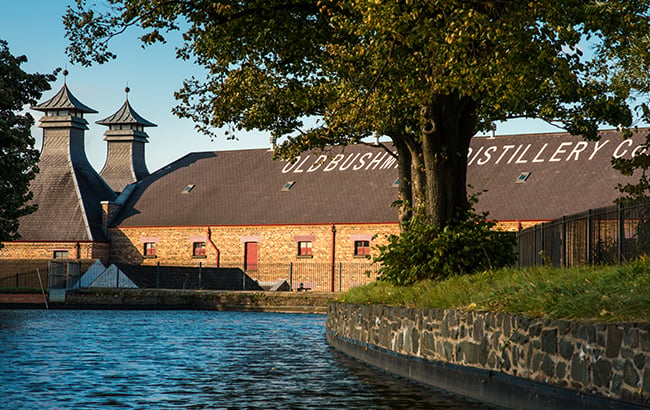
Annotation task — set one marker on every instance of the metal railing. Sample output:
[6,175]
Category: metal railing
[337,277]
[63,275]
[24,280]
[51,274]
[298,276]
[605,236]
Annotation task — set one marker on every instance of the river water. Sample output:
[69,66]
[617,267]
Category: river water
[190,359]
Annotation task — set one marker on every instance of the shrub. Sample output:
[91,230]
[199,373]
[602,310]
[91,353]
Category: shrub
[425,251]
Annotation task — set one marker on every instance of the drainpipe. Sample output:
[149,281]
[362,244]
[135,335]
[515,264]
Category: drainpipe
[333,256]
[78,246]
[213,245]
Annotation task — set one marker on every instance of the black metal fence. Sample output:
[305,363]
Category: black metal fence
[38,274]
[63,275]
[24,280]
[281,276]
[606,236]
[54,274]
[298,276]
[337,277]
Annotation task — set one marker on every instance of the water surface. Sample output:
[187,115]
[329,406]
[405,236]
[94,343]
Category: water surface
[190,359]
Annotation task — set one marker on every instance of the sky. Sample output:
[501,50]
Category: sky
[34,28]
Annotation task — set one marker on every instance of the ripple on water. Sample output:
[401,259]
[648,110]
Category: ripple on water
[190,359]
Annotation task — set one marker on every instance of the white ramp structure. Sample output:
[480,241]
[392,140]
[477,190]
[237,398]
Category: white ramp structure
[100,277]
[91,274]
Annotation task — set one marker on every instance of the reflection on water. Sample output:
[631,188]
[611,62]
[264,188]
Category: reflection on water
[190,359]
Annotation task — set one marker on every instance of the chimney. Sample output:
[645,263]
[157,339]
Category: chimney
[109,209]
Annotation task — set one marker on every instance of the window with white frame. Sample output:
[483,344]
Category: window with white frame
[361,248]
[304,248]
[198,249]
[60,254]
[150,249]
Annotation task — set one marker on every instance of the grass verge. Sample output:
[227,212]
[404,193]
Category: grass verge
[601,293]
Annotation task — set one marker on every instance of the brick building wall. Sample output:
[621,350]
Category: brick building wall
[225,246]
[277,244]
[514,226]
[46,250]
[277,250]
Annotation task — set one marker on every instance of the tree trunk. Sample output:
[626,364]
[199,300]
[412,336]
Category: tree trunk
[448,126]
[418,176]
[411,176]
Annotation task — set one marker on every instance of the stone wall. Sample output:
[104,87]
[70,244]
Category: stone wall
[9,300]
[297,302]
[606,360]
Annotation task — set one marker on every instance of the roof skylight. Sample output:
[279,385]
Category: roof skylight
[288,185]
[523,177]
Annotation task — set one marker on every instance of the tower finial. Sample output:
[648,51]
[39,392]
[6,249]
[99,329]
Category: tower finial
[65,74]
[126,90]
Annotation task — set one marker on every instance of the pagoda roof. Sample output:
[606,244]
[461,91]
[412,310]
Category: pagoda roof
[126,115]
[64,100]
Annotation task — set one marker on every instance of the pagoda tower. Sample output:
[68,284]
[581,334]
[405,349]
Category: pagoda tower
[125,137]
[67,190]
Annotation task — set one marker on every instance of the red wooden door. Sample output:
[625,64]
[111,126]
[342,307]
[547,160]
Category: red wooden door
[250,256]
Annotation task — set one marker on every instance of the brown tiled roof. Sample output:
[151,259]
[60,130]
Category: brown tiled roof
[63,100]
[126,115]
[246,187]
[567,175]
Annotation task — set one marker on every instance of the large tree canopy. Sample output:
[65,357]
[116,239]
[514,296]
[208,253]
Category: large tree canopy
[427,74]
[18,157]
[631,68]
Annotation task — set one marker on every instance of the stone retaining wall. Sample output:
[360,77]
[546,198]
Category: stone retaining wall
[298,302]
[290,302]
[22,298]
[606,360]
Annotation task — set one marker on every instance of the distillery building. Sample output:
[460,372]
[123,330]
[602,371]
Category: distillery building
[324,212]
